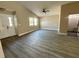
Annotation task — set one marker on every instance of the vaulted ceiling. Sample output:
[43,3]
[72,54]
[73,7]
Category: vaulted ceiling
[37,6]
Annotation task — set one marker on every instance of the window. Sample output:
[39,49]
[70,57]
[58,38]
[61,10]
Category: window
[33,21]
[30,21]
[10,21]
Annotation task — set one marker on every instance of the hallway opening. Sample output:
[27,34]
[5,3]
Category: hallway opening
[8,24]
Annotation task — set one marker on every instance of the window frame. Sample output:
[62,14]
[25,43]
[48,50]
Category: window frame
[33,21]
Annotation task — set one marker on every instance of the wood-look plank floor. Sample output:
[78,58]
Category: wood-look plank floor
[41,44]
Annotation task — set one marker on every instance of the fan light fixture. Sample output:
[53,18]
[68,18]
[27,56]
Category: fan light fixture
[45,10]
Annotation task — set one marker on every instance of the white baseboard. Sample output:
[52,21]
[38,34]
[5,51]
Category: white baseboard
[62,33]
[65,33]
[57,30]
[49,29]
[26,32]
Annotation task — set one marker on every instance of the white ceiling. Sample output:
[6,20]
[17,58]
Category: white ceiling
[37,6]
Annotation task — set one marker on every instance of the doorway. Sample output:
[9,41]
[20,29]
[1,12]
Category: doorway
[7,25]
[73,24]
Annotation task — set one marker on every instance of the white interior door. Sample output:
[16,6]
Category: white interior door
[7,27]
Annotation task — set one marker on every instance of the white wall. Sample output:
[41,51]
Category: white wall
[1,51]
[50,22]
[0,26]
